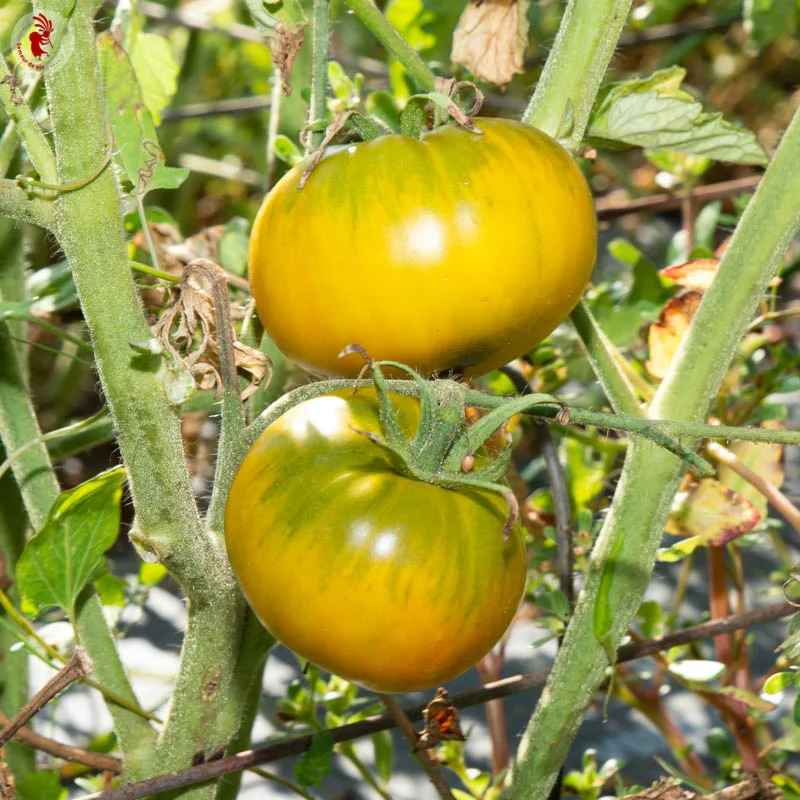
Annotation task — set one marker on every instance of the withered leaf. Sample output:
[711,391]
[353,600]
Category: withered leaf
[189,329]
[666,333]
[490,39]
[764,459]
[696,274]
[711,513]
[441,722]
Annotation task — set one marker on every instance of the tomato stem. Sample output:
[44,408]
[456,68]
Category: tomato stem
[571,79]
[318,103]
[390,38]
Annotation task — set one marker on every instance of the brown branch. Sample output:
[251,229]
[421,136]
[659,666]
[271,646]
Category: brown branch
[756,787]
[76,668]
[424,756]
[66,752]
[354,730]
[607,209]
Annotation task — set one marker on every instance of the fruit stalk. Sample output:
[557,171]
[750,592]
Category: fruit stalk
[388,36]
[318,106]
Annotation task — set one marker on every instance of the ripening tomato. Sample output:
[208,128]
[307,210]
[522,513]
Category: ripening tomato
[457,252]
[393,583]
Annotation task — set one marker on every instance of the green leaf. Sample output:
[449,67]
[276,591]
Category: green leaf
[383,748]
[706,224]
[68,551]
[414,117]
[151,574]
[796,711]
[233,246]
[766,20]
[111,589]
[41,786]
[585,471]
[316,763]
[51,289]
[656,113]
[651,618]
[156,70]
[138,154]
[778,682]
[287,151]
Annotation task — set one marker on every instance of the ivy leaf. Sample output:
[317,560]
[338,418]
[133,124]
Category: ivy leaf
[656,113]
[766,20]
[68,551]
[316,763]
[138,154]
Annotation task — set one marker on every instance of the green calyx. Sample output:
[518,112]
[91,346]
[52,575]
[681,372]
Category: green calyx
[443,449]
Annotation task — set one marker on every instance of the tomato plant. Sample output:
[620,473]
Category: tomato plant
[393,583]
[457,252]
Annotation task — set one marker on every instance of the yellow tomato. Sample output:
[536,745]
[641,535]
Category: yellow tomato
[457,252]
[393,583]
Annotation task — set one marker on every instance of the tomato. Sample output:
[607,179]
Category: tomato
[392,583]
[457,252]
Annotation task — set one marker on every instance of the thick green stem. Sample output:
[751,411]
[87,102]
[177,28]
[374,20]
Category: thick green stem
[168,524]
[388,36]
[624,554]
[91,235]
[247,685]
[577,64]
[318,105]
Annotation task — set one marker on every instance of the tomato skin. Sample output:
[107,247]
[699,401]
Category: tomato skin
[457,252]
[391,583]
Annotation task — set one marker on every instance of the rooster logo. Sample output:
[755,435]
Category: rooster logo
[40,38]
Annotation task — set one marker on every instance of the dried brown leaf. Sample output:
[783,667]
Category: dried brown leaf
[188,329]
[666,333]
[490,39]
[696,274]
[285,46]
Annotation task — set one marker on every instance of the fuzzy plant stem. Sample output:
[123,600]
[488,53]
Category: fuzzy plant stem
[571,78]
[168,525]
[390,38]
[318,104]
[624,554]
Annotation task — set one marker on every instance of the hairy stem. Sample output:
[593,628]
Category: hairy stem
[318,105]
[168,524]
[388,36]
[577,64]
